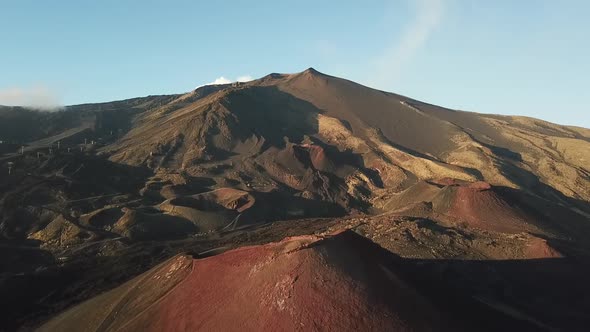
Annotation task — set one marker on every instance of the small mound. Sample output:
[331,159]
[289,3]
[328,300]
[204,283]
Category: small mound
[230,198]
[211,210]
[204,220]
[61,232]
[479,205]
[216,200]
[141,225]
[301,283]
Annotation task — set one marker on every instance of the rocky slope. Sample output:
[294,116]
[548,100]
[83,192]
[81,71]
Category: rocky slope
[144,179]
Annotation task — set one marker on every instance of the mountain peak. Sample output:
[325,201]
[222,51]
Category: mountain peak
[311,71]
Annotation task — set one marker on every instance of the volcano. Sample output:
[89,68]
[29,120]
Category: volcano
[336,282]
[138,181]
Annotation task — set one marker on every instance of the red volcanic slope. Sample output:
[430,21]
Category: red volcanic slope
[481,206]
[339,283]
[539,248]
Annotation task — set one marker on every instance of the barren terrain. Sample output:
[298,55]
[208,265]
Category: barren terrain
[292,202]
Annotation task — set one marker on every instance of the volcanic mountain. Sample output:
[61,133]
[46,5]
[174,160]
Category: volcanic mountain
[308,130]
[318,145]
[144,179]
[336,282]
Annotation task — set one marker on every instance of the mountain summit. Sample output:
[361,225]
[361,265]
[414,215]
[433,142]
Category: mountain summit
[134,182]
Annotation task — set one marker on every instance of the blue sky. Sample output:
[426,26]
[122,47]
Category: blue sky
[506,57]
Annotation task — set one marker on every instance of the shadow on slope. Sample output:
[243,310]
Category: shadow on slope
[537,294]
[542,294]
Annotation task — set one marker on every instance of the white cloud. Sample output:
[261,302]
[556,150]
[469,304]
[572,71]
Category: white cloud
[389,64]
[245,78]
[223,80]
[220,80]
[39,97]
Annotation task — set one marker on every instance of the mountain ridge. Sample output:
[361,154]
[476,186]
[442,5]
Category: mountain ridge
[99,193]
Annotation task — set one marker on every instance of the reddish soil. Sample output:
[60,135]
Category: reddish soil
[301,283]
[480,206]
[539,248]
